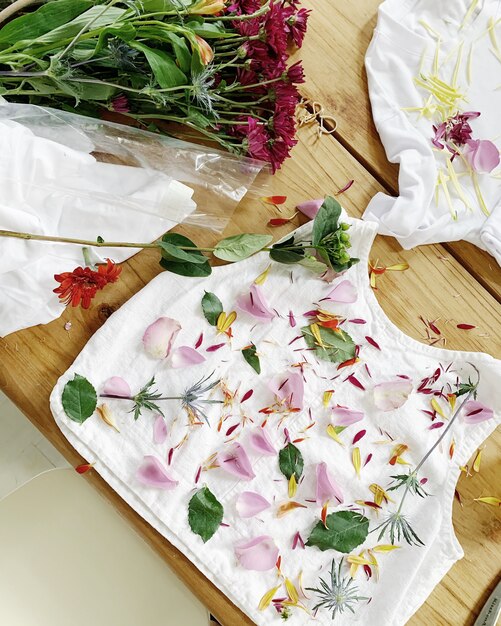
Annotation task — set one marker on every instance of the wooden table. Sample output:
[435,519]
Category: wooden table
[454,283]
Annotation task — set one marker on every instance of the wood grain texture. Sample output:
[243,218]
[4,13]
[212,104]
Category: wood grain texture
[333,56]
[435,286]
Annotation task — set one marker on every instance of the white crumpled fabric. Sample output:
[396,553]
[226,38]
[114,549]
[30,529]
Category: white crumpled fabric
[407,575]
[400,50]
[51,189]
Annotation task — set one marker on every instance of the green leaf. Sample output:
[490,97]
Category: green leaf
[251,357]
[205,513]
[162,65]
[326,220]
[48,17]
[313,264]
[171,252]
[79,399]
[290,461]
[345,531]
[212,307]
[209,30]
[338,346]
[289,257]
[184,268]
[240,247]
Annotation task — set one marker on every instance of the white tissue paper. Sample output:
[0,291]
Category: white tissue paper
[52,189]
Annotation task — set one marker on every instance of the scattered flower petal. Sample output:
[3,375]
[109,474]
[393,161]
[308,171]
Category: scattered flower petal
[185,356]
[327,488]
[261,443]
[234,460]
[159,430]
[287,507]
[255,304]
[288,388]
[265,601]
[84,468]
[466,326]
[153,474]
[116,386]
[358,436]
[372,342]
[481,154]
[357,460]
[346,417]
[344,292]
[104,413]
[297,541]
[311,207]
[259,554]
[160,336]
[489,500]
[345,188]
[475,412]
[392,394]
[250,503]
[274,199]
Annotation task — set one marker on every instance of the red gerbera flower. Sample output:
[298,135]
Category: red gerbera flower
[81,285]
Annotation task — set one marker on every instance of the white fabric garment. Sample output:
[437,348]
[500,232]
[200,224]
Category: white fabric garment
[51,189]
[407,575]
[402,49]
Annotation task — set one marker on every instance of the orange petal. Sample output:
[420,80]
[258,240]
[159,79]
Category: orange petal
[323,514]
[84,468]
[274,199]
[283,509]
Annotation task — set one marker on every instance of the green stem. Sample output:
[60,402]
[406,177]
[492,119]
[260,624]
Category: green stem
[237,18]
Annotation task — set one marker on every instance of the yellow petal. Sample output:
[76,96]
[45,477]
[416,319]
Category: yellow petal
[399,267]
[357,461]
[263,276]
[327,397]
[437,408]
[225,321]
[358,560]
[476,462]
[105,414]
[292,486]
[291,591]
[379,494]
[385,548]
[452,400]
[283,509]
[265,601]
[489,500]
[315,331]
[331,431]
[402,461]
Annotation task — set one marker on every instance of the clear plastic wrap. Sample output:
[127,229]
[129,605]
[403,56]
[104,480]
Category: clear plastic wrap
[217,180]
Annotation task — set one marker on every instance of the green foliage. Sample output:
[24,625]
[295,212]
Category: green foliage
[337,347]
[290,461]
[79,399]
[251,357]
[239,247]
[344,531]
[212,307]
[205,514]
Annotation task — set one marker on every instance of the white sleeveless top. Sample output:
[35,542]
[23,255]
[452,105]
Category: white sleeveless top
[415,39]
[407,575]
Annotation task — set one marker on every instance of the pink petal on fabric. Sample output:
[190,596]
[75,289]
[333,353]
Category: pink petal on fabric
[310,208]
[153,474]
[116,386]
[234,460]
[327,488]
[392,394]
[346,417]
[184,356]
[289,388]
[160,336]
[250,503]
[482,155]
[159,430]
[255,304]
[259,554]
[475,412]
[344,292]
[261,443]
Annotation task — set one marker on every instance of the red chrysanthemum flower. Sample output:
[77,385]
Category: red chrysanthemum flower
[297,24]
[81,285]
[244,7]
[120,104]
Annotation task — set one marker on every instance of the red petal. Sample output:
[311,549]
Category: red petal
[214,348]
[247,395]
[358,436]
[355,382]
[278,221]
[231,429]
[84,468]
[357,321]
[372,342]
[274,199]
[199,341]
[466,326]
[345,188]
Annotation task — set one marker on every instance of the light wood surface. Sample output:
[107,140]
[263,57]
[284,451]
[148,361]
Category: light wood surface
[439,284]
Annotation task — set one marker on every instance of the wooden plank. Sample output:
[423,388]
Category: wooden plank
[339,35]
[32,360]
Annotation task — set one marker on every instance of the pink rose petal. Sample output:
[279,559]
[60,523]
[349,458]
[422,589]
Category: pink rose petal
[259,554]
[392,395]
[288,388]
[116,386]
[160,336]
[255,304]
[153,474]
[327,488]
[159,430]
[261,443]
[475,412]
[346,417]
[344,292]
[250,503]
[234,460]
[184,356]
[482,155]
[310,208]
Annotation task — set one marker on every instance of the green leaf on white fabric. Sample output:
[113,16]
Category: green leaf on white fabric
[205,514]
[79,399]
[344,532]
[239,247]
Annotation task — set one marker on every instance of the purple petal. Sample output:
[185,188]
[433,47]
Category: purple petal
[481,154]
[153,474]
[160,336]
[255,304]
[234,460]
[184,356]
[475,412]
[327,488]
[259,554]
[392,395]
[289,388]
[343,292]
[116,386]
[261,443]
[250,503]
[159,430]
[310,208]
[346,417]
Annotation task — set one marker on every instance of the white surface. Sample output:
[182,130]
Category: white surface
[24,451]
[401,46]
[68,558]
[408,575]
